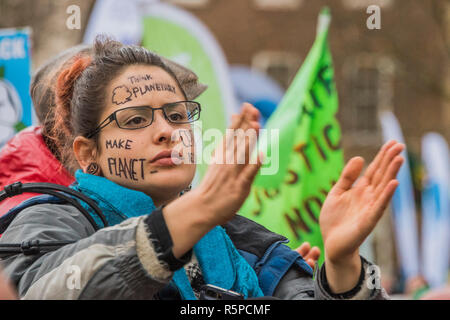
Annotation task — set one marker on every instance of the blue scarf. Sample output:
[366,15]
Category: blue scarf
[219,260]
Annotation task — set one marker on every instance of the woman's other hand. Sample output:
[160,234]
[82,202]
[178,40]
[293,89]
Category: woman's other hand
[351,211]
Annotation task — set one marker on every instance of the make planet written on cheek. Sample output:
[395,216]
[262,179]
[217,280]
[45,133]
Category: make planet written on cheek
[128,168]
[125,167]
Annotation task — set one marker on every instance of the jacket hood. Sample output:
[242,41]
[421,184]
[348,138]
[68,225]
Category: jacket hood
[26,158]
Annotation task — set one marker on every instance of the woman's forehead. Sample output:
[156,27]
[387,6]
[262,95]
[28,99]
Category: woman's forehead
[142,85]
[136,75]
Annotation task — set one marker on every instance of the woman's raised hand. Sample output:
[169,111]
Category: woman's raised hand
[228,179]
[223,189]
[351,211]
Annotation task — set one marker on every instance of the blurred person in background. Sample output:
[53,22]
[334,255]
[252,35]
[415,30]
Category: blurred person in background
[30,156]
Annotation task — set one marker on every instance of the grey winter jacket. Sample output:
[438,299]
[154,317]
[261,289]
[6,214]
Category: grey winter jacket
[124,261]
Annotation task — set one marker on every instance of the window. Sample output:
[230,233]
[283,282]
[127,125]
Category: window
[369,91]
[277,4]
[189,3]
[281,66]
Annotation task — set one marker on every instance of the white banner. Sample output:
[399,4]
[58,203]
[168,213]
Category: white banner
[436,210]
[403,205]
[117,18]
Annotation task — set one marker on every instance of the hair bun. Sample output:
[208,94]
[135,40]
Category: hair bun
[61,116]
[64,90]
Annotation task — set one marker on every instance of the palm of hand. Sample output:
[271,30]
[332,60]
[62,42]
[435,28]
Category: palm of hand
[227,183]
[350,212]
[345,221]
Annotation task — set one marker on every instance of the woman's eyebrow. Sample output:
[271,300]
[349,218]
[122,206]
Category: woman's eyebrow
[144,105]
[154,106]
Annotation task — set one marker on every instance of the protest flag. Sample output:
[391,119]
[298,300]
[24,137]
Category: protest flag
[307,154]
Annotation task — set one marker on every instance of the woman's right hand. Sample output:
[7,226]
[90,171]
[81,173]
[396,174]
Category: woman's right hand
[223,189]
[227,182]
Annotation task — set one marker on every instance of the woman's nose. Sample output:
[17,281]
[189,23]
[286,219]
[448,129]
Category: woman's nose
[162,128]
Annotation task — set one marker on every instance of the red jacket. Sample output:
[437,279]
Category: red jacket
[26,158]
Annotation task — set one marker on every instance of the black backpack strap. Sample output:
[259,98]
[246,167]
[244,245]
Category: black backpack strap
[30,247]
[57,194]
[58,191]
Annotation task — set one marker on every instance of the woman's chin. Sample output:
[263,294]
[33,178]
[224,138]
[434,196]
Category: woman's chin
[168,182]
[170,175]
[163,194]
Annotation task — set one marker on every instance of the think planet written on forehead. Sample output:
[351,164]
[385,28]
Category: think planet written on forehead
[138,86]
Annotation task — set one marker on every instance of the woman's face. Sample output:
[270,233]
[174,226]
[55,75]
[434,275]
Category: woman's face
[127,157]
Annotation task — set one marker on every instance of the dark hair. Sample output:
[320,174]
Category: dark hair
[81,91]
[42,89]
[43,80]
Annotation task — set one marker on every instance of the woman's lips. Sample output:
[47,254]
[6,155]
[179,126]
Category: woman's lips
[164,162]
[167,158]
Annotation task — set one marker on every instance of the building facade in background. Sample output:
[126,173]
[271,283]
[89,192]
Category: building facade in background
[402,67]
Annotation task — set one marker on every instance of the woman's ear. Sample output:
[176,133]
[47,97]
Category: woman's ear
[85,151]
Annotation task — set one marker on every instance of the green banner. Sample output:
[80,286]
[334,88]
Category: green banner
[309,151]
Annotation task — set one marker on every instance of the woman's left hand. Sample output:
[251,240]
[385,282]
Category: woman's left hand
[351,211]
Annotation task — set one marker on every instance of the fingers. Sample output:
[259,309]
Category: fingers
[250,112]
[375,173]
[244,137]
[349,175]
[249,172]
[236,120]
[245,141]
[390,173]
[238,144]
[389,155]
[373,167]
[314,254]
[304,248]
[311,263]
[307,252]
[310,255]
[249,115]
[221,150]
[386,188]
[383,200]
[240,137]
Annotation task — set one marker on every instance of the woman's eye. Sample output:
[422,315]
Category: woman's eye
[135,121]
[176,117]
